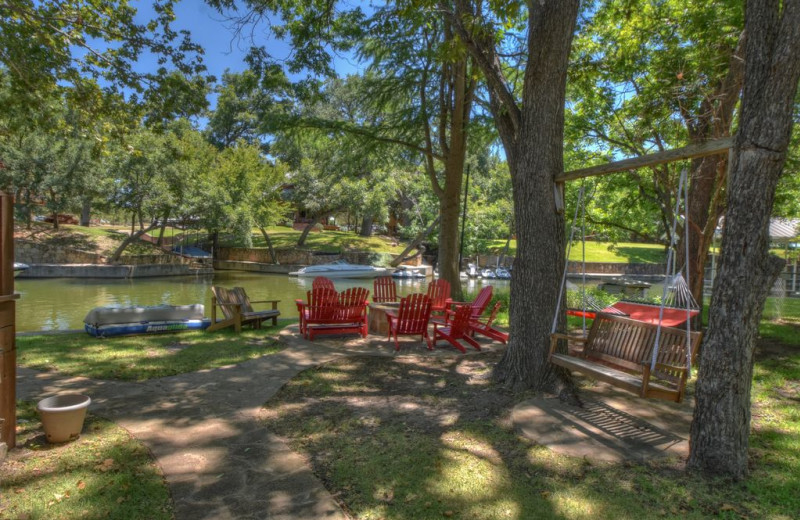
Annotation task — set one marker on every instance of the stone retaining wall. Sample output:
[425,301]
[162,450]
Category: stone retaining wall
[111,271]
[34,253]
[299,257]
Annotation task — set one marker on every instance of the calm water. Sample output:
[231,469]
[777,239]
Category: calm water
[62,303]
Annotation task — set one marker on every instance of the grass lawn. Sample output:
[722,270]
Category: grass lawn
[621,252]
[328,241]
[103,474]
[412,439]
[137,358]
[93,239]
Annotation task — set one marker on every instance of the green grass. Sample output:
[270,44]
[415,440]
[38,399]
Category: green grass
[436,443]
[328,241]
[138,358]
[103,474]
[621,252]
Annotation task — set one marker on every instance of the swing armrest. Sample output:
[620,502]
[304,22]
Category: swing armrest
[554,337]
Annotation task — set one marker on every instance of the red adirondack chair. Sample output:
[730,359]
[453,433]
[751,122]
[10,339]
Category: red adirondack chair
[439,293]
[410,319]
[319,307]
[477,306]
[485,327]
[385,290]
[322,282]
[349,315]
[458,328]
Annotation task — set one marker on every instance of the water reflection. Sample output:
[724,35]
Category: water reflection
[62,303]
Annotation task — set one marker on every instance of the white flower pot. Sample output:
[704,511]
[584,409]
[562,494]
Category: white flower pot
[62,416]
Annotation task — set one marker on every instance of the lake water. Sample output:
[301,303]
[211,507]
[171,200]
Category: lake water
[62,303]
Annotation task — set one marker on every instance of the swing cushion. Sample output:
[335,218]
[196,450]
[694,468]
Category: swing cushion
[672,316]
[618,351]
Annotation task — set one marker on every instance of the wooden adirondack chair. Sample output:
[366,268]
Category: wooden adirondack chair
[485,327]
[458,328]
[349,315]
[321,282]
[238,309]
[385,290]
[320,306]
[439,294]
[411,319]
[477,306]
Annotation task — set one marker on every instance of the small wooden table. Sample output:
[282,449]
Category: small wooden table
[378,323]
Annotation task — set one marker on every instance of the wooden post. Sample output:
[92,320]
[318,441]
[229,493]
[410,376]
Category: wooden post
[8,353]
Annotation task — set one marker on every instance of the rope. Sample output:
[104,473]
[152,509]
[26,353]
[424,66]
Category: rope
[670,262]
[566,263]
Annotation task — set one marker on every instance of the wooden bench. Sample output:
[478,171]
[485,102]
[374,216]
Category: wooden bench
[238,309]
[618,351]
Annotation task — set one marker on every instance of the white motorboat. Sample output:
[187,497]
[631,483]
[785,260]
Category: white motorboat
[472,271]
[488,273]
[406,272]
[341,269]
[20,267]
[502,273]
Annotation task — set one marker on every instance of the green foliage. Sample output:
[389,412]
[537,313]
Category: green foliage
[53,45]
[645,77]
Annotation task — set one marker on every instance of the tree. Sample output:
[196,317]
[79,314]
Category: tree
[528,111]
[721,424]
[650,76]
[420,84]
[51,44]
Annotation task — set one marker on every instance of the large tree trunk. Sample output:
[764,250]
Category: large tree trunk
[706,201]
[86,212]
[366,226]
[721,424]
[160,241]
[402,257]
[536,158]
[302,240]
[449,231]
[128,241]
[268,240]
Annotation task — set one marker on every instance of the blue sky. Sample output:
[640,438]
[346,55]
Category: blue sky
[222,50]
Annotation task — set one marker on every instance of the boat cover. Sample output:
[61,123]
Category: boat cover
[111,315]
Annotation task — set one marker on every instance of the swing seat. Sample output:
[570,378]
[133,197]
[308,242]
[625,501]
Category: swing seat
[618,351]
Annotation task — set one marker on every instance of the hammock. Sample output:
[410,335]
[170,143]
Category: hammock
[679,306]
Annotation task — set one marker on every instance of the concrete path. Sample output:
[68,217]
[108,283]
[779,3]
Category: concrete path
[218,459]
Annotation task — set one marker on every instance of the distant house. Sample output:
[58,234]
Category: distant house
[784,231]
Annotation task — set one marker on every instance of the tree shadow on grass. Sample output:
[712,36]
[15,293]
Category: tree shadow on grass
[430,438]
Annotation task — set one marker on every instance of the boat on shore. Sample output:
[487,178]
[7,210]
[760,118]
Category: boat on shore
[103,322]
[408,273]
[341,269]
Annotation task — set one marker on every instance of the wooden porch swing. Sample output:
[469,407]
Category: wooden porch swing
[647,356]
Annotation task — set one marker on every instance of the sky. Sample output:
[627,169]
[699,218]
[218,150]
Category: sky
[208,28]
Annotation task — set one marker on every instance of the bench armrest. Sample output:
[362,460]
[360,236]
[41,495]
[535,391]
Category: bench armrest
[554,337]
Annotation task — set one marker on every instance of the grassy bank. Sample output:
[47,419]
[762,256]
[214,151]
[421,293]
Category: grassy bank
[621,252]
[104,474]
[329,241]
[137,358]
[412,439]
